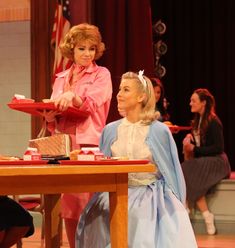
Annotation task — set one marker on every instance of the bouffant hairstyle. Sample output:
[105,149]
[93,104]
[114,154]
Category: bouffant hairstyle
[80,33]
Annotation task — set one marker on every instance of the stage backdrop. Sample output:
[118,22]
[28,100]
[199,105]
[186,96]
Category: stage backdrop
[201,53]
[200,37]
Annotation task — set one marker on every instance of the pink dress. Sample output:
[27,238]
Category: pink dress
[94,86]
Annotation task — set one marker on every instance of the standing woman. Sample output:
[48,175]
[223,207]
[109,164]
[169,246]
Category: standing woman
[205,161]
[156,213]
[86,86]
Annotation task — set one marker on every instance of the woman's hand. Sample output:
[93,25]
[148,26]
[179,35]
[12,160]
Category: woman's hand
[50,115]
[188,147]
[187,143]
[188,139]
[64,101]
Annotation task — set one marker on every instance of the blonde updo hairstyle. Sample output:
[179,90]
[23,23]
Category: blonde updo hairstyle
[80,33]
[148,105]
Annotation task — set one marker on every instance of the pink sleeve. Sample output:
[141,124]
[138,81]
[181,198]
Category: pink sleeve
[99,92]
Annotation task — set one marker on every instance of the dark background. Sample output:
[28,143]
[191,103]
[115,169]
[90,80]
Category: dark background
[201,53]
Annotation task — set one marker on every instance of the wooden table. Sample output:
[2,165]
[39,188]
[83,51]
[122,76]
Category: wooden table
[51,180]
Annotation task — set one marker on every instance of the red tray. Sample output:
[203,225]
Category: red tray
[103,162]
[23,162]
[37,107]
[175,128]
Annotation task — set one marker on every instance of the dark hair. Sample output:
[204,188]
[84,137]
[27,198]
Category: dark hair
[156,82]
[204,95]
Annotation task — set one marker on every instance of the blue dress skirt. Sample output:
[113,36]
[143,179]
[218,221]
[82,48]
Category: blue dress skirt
[156,218]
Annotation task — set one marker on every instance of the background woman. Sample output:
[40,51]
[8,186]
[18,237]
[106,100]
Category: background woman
[205,161]
[156,213]
[161,102]
[86,86]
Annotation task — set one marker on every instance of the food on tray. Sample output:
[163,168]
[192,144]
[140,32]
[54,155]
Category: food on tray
[87,153]
[8,158]
[21,99]
[168,123]
[74,154]
[47,100]
[90,154]
[120,158]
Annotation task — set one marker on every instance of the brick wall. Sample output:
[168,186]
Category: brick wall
[15,126]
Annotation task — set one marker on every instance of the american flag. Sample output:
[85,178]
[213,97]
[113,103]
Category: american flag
[60,28]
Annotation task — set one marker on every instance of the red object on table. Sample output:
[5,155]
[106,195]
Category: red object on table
[35,108]
[232,175]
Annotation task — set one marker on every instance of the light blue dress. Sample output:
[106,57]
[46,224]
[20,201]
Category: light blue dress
[157,217]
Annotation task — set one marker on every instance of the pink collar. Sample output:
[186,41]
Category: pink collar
[89,69]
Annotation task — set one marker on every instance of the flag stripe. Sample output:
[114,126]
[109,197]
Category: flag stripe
[60,28]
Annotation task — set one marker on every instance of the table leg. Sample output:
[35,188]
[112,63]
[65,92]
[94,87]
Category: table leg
[119,213]
[52,220]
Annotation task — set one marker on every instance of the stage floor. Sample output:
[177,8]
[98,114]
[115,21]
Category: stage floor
[204,241]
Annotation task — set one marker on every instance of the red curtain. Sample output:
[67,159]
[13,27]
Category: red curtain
[126,29]
[80,11]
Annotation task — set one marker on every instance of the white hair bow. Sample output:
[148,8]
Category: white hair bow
[141,78]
